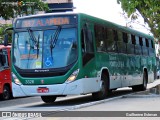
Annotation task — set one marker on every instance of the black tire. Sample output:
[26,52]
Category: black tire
[104,92]
[143,86]
[6,95]
[48,99]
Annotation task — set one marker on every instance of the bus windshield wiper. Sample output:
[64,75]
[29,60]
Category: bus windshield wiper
[33,38]
[54,39]
[37,45]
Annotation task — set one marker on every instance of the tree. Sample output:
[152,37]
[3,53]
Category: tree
[149,10]
[13,8]
[2,28]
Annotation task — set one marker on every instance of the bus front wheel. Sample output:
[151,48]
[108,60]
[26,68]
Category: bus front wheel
[104,89]
[48,99]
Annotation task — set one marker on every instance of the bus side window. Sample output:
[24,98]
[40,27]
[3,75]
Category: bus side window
[121,44]
[82,42]
[87,44]
[151,48]
[111,43]
[100,38]
[87,40]
[3,59]
[125,41]
[141,44]
[145,46]
[147,43]
[130,44]
[137,46]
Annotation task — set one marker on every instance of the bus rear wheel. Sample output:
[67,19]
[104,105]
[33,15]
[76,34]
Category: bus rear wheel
[143,86]
[48,99]
[103,93]
[6,93]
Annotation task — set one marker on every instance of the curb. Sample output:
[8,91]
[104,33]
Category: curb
[152,91]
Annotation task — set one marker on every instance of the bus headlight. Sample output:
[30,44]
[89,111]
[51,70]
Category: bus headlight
[16,80]
[73,76]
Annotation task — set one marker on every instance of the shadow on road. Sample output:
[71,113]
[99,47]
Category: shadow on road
[80,99]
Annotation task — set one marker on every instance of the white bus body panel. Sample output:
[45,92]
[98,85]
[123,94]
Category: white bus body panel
[81,86]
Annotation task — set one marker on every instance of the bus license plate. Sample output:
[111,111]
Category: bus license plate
[42,90]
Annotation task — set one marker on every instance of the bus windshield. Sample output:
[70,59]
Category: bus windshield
[42,49]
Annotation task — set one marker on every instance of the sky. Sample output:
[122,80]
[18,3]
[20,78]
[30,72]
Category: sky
[106,9]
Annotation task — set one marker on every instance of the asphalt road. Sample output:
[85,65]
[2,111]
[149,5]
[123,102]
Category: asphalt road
[35,103]
[115,102]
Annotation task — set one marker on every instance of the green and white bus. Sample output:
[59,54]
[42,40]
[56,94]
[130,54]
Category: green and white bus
[61,54]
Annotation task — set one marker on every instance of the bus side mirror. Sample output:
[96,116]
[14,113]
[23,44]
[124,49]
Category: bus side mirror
[5,39]
[6,35]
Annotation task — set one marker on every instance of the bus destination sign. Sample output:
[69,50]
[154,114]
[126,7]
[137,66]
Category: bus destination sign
[45,21]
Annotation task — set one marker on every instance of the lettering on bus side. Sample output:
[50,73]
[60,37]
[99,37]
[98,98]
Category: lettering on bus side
[112,57]
[116,64]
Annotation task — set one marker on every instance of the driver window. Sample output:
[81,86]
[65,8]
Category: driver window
[3,59]
[87,41]
[87,44]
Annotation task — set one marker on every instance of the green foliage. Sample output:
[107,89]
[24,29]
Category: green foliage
[149,9]
[10,8]
[13,8]
[2,28]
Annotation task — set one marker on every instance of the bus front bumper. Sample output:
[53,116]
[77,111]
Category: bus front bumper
[81,86]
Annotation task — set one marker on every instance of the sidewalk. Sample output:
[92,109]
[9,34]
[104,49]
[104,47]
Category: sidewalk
[144,105]
[129,105]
